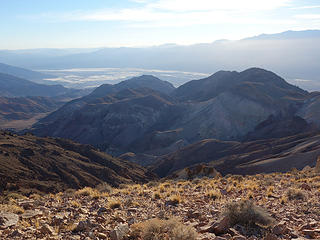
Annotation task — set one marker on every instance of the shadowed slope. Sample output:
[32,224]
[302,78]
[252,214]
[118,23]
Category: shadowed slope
[49,164]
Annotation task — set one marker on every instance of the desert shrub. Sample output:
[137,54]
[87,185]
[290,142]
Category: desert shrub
[90,192]
[152,184]
[246,213]
[104,188]
[295,194]
[156,229]
[75,204]
[214,194]
[114,204]
[156,195]
[69,192]
[196,180]
[87,191]
[175,199]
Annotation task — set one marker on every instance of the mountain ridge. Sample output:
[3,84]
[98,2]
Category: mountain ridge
[120,120]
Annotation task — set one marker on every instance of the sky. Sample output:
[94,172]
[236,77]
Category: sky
[29,24]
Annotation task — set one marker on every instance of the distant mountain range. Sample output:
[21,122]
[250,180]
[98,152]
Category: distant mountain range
[24,101]
[292,54]
[12,86]
[24,73]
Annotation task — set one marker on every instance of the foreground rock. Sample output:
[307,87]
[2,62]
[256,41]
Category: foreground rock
[8,219]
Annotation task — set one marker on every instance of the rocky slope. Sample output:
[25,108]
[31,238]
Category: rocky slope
[25,107]
[270,155]
[112,122]
[30,163]
[263,206]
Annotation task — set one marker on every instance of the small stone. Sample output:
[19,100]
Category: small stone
[207,236]
[305,186]
[221,227]
[193,214]
[83,226]
[31,214]
[26,204]
[270,236]
[119,232]
[16,233]
[238,237]
[205,229]
[47,230]
[57,220]
[233,232]
[220,238]
[280,229]
[102,210]
[102,236]
[310,233]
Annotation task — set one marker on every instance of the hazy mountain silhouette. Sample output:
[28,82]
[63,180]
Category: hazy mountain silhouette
[24,73]
[12,86]
[292,54]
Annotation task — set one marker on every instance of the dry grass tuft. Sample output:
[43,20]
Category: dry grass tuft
[75,204]
[104,188]
[156,195]
[175,199]
[214,194]
[90,192]
[156,229]
[246,213]
[295,194]
[113,204]
[12,208]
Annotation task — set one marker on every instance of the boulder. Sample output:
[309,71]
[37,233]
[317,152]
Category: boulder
[221,227]
[119,232]
[83,226]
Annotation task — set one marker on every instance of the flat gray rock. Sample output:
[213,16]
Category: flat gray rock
[8,219]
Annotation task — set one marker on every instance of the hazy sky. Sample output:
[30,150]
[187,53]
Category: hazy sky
[98,23]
